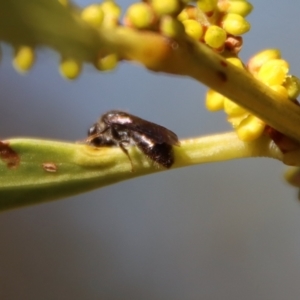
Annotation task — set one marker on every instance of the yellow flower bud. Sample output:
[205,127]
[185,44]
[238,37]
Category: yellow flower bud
[207,6]
[171,27]
[193,29]
[70,68]
[236,61]
[24,58]
[215,37]
[235,121]
[233,109]
[140,15]
[93,15]
[262,57]
[189,12]
[242,8]
[107,63]
[235,24]
[166,7]
[250,129]
[112,13]
[292,85]
[214,101]
[273,72]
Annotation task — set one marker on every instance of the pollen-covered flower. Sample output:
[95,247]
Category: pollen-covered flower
[268,67]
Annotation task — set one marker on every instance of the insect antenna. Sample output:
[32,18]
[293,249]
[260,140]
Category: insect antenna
[93,136]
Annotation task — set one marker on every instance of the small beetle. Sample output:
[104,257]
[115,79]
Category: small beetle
[117,128]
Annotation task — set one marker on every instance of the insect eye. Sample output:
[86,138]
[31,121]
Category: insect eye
[93,130]
[97,141]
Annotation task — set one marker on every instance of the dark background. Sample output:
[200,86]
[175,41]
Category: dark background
[217,231]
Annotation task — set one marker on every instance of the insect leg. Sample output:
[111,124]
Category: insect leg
[127,154]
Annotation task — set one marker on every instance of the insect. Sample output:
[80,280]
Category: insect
[117,128]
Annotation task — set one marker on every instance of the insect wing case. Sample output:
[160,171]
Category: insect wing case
[161,153]
[155,132]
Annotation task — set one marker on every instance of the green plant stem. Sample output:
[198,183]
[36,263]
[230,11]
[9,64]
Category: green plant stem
[50,170]
[189,58]
[223,147]
[34,22]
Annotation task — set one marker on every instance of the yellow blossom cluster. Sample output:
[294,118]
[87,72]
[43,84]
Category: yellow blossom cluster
[268,67]
[212,22]
[217,23]
[104,15]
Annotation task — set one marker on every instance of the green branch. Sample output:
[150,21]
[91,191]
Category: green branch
[35,171]
[51,170]
[49,24]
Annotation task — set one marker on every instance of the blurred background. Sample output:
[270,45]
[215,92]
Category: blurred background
[218,231]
